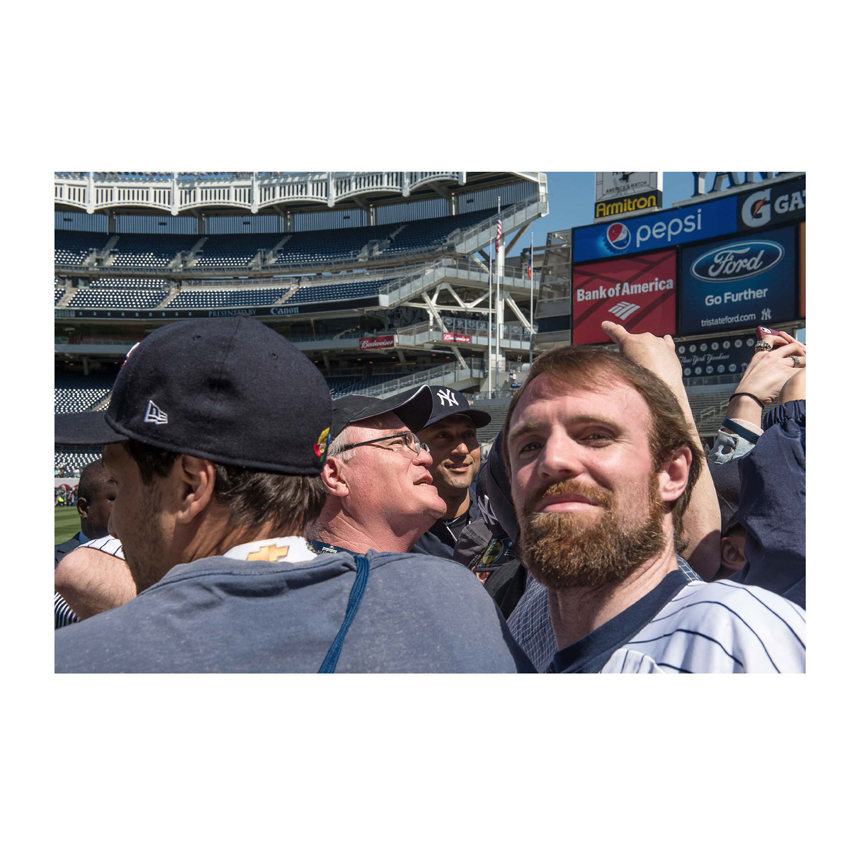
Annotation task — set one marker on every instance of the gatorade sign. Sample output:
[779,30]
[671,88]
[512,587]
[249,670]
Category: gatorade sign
[774,205]
[636,292]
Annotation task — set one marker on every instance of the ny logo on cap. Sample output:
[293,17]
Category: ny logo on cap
[155,414]
[447,397]
[487,511]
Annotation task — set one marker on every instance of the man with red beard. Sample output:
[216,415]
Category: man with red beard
[602,467]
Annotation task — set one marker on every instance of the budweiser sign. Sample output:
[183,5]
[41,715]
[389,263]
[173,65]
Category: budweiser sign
[386,342]
[456,338]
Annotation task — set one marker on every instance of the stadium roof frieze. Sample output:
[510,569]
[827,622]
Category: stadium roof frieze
[229,193]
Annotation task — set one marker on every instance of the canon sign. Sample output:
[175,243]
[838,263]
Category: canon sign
[737,262]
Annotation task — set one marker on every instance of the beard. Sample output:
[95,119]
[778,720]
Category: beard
[567,550]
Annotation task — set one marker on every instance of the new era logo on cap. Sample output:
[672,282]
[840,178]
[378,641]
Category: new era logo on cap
[155,414]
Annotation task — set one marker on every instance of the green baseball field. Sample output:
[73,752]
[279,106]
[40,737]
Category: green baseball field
[66,522]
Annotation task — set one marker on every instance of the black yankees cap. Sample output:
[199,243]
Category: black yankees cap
[413,407]
[446,402]
[227,389]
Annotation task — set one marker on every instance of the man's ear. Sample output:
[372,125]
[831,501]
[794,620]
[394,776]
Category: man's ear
[673,474]
[82,506]
[732,558]
[194,480]
[334,476]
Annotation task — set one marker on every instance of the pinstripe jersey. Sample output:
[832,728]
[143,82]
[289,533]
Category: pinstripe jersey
[107,544]
[695,627]
[529,623]
[62,614]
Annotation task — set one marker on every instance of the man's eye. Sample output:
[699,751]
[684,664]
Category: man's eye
[597,437]
[532,446]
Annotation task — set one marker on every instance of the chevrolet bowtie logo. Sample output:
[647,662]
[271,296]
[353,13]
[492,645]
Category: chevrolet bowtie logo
[270,553]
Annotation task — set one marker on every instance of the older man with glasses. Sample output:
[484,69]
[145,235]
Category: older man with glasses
[381,494]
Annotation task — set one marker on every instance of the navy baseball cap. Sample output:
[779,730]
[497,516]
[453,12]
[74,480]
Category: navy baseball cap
[412,407]
[728,488]
[226,389]
[447,402]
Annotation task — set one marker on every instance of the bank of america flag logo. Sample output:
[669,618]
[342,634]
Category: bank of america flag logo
[155,414]
[623,309]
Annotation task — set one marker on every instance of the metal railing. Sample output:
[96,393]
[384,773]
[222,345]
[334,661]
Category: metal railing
[731,378]
[507,213]
[448,372]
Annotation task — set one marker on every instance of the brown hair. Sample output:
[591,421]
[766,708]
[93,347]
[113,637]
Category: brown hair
[252,497]
[583,366]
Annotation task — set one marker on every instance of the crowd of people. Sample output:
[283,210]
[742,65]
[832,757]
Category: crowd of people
[65,496]
[242,521]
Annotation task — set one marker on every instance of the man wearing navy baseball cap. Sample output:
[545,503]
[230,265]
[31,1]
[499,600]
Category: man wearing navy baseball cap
[451,435]
[381,495]
[216,435]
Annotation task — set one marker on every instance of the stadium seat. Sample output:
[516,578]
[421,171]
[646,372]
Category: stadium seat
[197,297]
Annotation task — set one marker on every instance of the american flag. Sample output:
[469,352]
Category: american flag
[529,266]
[498,234]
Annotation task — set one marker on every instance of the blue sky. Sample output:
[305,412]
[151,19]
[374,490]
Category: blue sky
[571,195]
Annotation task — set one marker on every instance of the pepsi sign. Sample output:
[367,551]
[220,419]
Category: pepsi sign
[738,283]
[618,237]
[737,262]
[655,231]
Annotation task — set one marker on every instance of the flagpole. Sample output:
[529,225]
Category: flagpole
[490,316]
[498,281]
[531,294]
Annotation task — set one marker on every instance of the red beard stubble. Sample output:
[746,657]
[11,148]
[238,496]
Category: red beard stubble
[566,550]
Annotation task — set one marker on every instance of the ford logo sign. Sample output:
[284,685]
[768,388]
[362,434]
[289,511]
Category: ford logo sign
[738,261]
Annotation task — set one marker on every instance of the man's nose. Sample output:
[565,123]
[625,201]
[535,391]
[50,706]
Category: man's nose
[423,458]
[559,458]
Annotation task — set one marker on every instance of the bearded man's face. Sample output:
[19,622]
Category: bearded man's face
[584,483]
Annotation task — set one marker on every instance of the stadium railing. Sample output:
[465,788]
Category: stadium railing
[446,374]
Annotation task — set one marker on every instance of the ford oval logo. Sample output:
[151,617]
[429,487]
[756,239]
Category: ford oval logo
[738,261]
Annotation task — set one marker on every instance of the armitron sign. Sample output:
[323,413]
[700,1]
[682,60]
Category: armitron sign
[629,204]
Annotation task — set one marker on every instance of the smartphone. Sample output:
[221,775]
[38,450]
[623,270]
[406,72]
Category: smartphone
[762,332]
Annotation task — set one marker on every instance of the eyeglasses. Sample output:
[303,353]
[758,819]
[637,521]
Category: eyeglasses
[403,440]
